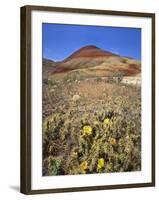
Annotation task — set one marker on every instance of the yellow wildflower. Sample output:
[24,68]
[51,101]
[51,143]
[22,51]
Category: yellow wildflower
[112,141]
[84,166]
[100,163]
[107,121]
[87,130]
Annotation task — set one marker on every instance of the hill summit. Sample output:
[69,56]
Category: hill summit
[89,51]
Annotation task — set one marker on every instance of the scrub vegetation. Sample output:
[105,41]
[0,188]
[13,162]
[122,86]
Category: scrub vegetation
[91,126]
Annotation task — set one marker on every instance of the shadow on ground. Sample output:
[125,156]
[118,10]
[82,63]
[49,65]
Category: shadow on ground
[15,188]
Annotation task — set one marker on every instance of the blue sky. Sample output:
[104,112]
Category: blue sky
[61,40]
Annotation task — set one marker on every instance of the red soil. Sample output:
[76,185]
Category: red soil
[89,51]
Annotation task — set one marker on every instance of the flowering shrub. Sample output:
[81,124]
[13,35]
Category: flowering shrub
[87,130]
[107,121]
[84,166]
[100,133]
[100,164]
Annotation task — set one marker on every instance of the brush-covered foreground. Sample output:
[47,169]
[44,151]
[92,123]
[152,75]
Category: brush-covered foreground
[91,126]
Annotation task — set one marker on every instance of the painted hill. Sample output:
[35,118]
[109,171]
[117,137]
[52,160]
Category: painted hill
[92,61]
[90,51]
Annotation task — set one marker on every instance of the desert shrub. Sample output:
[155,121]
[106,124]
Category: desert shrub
[119,76]
[124,60]
[53,166]
[71,77]
[116,77]
[93,135]
[51,82]
[98,79]
[111,79]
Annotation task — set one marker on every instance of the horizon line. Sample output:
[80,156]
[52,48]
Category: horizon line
[116,53]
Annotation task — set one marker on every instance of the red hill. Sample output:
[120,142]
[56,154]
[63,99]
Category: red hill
[90,51]
[92,61]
